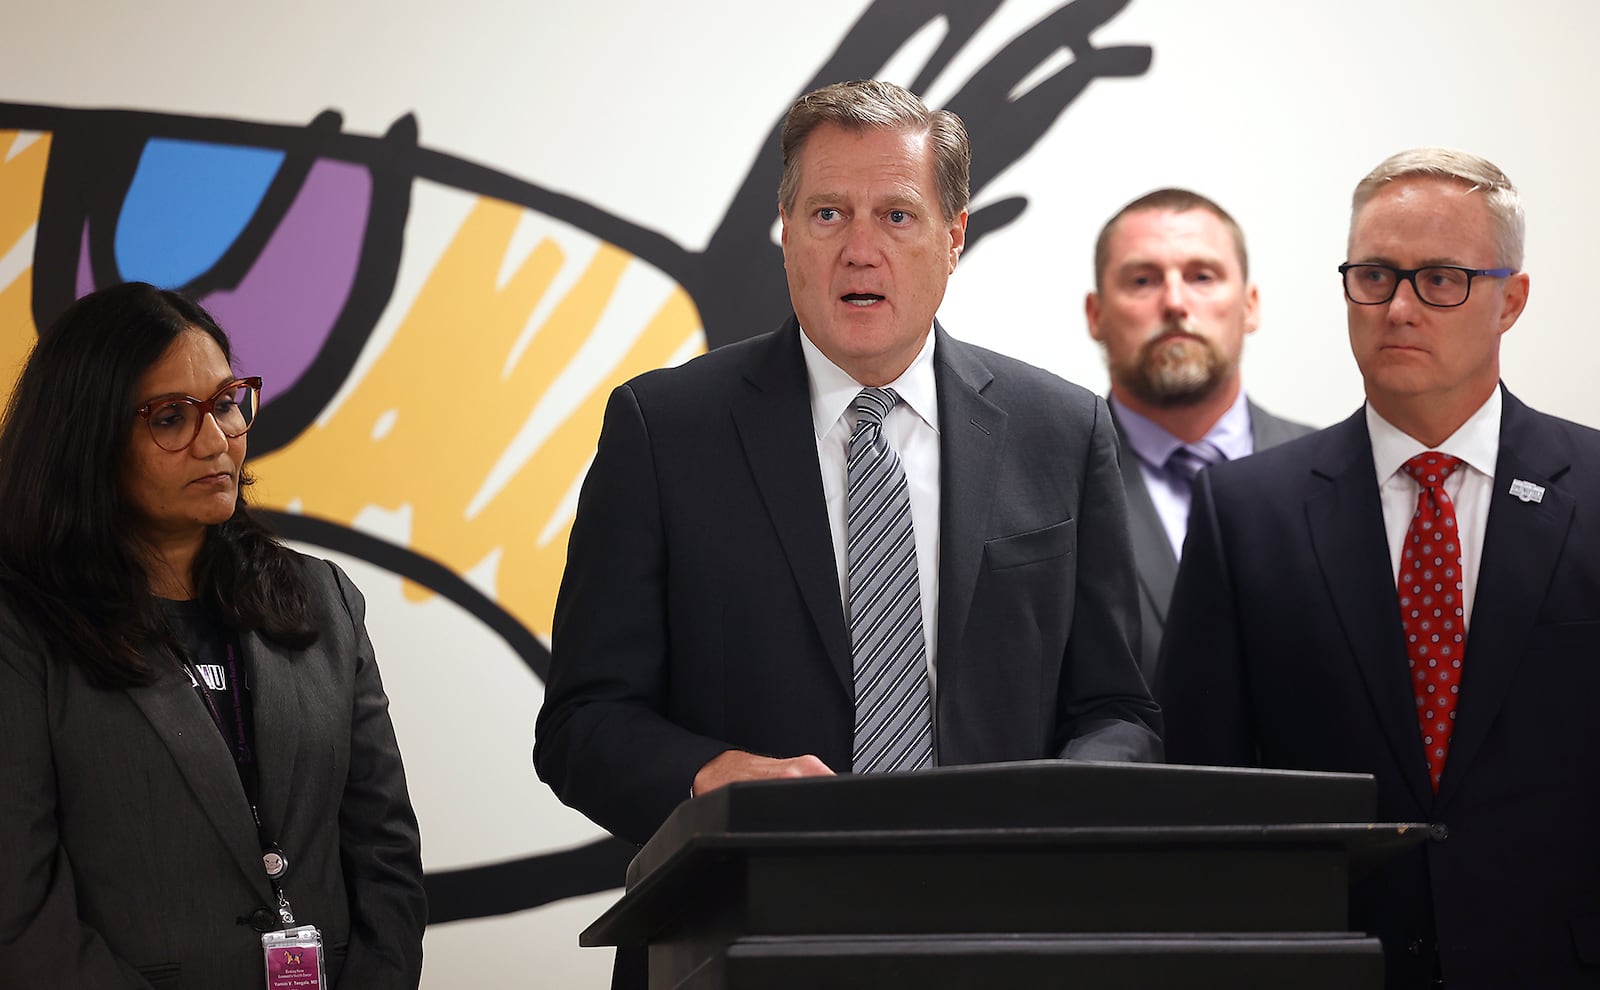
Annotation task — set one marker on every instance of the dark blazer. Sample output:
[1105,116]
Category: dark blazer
[131,859]
[1284,649]
[1156,564]
[700,607]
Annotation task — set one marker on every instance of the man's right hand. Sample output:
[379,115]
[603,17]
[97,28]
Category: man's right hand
[735,765]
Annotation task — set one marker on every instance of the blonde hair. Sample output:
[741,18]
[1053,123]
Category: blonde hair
[1479,174]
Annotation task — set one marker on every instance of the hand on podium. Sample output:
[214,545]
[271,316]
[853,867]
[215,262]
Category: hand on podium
[735,765]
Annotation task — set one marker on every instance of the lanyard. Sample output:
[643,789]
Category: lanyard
[273,861]
[239,745]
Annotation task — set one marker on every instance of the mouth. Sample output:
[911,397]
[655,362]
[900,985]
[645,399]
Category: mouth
[219,478]
[861,299]
[1169,341]
[1175,331]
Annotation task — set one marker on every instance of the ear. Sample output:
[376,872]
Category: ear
[958,239]
[1252,308]
[1514,300]
[1091,313]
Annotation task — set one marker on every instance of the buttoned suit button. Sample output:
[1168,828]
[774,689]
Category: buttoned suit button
[263,919]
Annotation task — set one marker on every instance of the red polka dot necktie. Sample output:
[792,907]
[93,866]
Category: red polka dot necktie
[1431,609]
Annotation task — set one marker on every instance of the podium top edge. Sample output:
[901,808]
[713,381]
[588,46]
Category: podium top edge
[1033,794]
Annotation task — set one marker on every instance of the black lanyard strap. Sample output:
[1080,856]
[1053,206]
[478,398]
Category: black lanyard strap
[273,860]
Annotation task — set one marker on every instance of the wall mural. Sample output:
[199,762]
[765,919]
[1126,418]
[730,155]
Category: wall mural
[293,236]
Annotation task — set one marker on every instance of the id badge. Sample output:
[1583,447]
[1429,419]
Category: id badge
[294,959]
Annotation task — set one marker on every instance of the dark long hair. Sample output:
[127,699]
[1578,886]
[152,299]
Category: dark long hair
[71,552]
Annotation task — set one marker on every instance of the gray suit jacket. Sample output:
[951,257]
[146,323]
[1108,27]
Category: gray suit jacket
[700,607]
[131,859]
[1152,551]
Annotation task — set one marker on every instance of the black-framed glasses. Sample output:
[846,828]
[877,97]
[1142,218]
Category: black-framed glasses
[1442,286]
[175,420]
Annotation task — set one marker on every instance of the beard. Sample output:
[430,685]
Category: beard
[1176,367]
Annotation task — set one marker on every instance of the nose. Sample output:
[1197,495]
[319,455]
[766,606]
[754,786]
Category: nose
[210,441]
[1174,295]
[1404,303]
[862,246]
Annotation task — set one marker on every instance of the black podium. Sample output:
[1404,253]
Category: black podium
[1089,875]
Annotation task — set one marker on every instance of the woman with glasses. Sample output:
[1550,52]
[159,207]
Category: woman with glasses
[195,747]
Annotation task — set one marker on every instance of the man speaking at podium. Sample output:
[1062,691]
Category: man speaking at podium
[856,544]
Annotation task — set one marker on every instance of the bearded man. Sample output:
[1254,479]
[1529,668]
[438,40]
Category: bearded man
[1173,302]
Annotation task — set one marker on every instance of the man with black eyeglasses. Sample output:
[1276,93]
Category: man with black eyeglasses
[1415,593]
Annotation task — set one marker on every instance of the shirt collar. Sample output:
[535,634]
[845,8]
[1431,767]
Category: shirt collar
[833,390]
[1477,441]
[1153,444]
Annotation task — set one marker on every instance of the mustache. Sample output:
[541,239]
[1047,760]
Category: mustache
[1171,329]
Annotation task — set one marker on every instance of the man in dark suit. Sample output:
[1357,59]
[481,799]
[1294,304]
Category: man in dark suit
[1470,690]
[1172,304]
[706,630]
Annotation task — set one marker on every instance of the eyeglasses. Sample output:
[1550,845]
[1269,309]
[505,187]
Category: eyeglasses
[1441,286]
[174,420]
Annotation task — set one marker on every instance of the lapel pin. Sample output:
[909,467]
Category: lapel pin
[1527,490]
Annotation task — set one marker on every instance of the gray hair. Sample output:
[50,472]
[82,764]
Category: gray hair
[1505,206]
[871,104]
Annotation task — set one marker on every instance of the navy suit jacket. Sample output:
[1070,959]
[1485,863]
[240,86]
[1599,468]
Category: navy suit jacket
[1284,649]
[700,607]
[1156,564]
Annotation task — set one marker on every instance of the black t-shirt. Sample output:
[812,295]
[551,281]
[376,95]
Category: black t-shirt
[216,668]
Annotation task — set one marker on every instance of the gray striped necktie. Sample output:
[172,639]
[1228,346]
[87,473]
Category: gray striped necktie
[894,716]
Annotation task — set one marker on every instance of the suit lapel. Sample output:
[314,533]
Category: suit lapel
[278,711]
[1156,564]
[1522,542]
[1345,516]
[182,724]
[972,433]
[1267,430]
[773,417]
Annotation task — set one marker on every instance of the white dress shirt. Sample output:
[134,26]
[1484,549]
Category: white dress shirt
[1470,486]
[912,429]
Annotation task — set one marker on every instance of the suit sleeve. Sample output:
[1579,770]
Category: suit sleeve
[603,740]
[42,942]
[379,845]
[1105,711]
[1200,678]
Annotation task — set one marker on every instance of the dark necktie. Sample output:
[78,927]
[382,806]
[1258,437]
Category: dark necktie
[1187,460]
[1431,608]
[894,716]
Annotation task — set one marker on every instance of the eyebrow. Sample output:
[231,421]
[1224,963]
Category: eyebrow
[1434,262]
[897,201]
[221,384]
[1144,261]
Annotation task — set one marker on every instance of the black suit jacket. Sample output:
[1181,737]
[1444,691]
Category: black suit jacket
[130,856]
[700,607]
[1284,649]
[1156,564]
